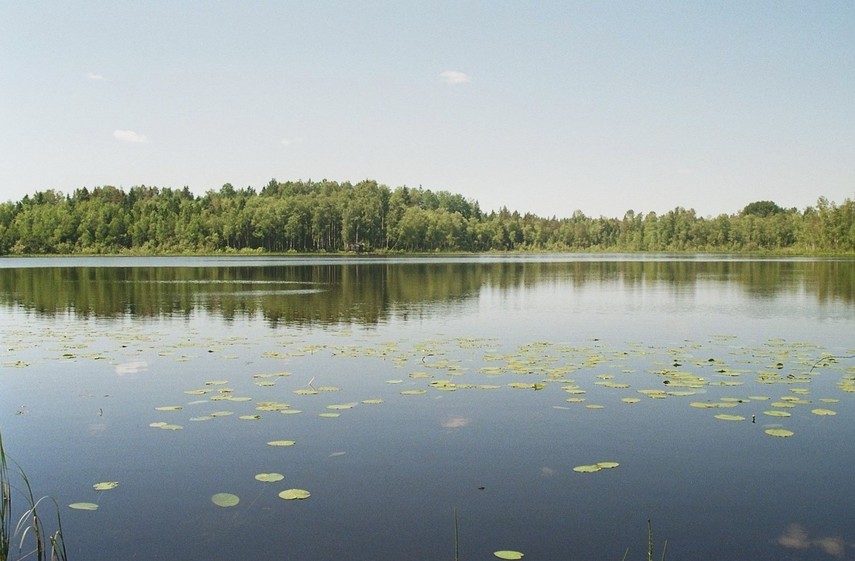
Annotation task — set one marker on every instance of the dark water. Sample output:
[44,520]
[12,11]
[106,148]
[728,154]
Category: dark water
[90,347]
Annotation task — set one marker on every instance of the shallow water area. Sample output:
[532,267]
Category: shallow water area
[417,388]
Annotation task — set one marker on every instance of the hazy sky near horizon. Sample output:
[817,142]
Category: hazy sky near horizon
[544,107]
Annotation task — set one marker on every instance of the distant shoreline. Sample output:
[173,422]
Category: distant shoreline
[367,218]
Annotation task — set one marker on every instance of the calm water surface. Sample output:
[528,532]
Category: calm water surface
[91,348]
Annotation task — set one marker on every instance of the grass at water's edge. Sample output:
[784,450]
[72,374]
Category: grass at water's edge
[29,531]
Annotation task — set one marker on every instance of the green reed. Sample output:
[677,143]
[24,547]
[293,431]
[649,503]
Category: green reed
[29,531]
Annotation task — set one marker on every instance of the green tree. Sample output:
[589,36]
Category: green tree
[762,209]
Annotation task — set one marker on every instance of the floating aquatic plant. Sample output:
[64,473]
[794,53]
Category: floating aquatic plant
[592,468]
[294,494]
[165,426]
[508,554]
[269,477]
[341,406]
[225,500]
[781,433]
[83,506]
[724,417]
[282,443]
[777,413]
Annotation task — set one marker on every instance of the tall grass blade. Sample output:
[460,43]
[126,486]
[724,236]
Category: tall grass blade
[456,538]
[5,507]
[649,540]
[29,526]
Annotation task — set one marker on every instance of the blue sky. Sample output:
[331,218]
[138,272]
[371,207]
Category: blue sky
[547,107]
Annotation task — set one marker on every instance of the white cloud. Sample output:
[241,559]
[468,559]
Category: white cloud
[290,141]
[96,77]
[129,136]
[454,77]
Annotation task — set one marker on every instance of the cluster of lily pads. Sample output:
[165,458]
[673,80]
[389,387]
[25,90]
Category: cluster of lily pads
[729,381]
[473,364]
[102,486]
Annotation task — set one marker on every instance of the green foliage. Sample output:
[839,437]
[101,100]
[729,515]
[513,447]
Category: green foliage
[762,208]
[30,528]
[327,216]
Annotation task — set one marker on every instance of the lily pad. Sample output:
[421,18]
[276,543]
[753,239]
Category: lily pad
[820,411]
[83,506]
[508,554]
[225,499]
[165,426]
[270,477]
[777,413]
[271,406]
[341,406]
[724,417]
[783,404]
[781,433]
[105,485]
[294,494]
[282,443]
[595,467]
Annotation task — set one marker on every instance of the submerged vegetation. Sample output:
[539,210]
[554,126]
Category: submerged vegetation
[327,216]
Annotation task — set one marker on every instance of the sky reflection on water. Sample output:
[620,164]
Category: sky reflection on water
[385,478]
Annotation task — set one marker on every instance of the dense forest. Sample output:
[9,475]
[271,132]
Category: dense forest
[328,216]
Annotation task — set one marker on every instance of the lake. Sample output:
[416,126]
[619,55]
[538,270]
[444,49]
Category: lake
[413,392]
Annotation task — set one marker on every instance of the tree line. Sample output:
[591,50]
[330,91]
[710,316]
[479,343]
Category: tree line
[329,216]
